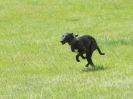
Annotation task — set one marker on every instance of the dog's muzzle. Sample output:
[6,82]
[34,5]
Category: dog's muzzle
[62,42]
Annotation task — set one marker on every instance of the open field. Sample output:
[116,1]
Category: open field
[34,65]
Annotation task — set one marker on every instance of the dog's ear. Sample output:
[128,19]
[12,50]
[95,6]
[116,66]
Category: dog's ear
[76,35]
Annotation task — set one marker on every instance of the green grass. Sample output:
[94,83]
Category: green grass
[34,65]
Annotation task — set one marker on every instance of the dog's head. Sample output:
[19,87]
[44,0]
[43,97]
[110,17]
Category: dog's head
[67,37]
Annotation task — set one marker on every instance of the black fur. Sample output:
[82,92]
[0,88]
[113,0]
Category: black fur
[83,45]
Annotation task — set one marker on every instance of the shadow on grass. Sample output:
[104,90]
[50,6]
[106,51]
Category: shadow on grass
[97,68]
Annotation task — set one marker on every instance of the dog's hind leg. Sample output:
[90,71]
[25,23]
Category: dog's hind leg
[89,56]
[83,57]
[87,65]
[89,59]
[90,62]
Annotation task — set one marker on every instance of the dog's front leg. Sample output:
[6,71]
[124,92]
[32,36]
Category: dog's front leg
[72,49]
[77,57]
[83,57]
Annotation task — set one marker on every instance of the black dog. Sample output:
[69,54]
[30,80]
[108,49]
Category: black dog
[83,45]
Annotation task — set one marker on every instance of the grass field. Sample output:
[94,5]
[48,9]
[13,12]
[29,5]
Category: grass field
[34,65]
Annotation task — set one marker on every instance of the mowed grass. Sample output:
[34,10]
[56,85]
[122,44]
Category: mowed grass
[34,65]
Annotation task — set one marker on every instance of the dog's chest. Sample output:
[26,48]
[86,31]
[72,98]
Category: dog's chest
[78,46]
[76,51]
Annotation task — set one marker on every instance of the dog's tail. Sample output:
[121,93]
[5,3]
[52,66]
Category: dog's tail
[100,51]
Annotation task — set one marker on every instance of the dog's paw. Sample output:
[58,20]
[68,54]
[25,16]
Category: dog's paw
[84,57]
[86,65]
[78,60]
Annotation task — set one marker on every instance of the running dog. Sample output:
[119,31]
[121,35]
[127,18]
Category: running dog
[85,44]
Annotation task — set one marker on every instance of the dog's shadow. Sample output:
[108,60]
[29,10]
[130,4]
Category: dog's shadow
[91,69]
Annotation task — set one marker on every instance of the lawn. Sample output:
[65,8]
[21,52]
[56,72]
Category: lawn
[34,65]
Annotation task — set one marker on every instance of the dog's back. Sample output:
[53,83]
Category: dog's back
[87,40]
